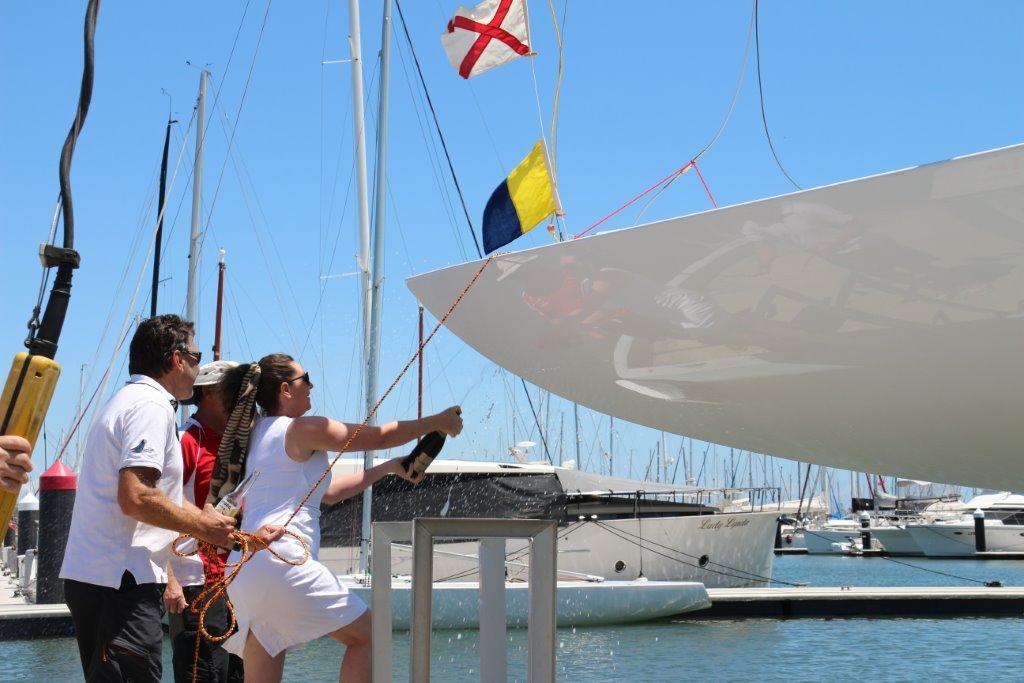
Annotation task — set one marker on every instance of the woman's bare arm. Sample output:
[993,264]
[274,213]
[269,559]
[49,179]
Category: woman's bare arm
[308,434]
[347,485]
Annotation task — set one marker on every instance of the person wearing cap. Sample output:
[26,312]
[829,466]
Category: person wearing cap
[188,576]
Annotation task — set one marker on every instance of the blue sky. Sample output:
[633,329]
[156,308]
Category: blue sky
[851,89]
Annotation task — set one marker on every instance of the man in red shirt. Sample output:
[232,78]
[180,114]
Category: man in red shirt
[200,440]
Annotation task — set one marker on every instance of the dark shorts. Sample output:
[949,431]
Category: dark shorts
[215,664]
[119,634]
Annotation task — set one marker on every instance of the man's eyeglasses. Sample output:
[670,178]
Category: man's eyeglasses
[304,377]
[196,356]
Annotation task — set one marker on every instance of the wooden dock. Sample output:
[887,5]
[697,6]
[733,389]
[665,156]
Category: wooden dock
[847,601]
[20,620]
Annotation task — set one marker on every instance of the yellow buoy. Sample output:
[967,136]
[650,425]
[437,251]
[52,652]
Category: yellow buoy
[37,376]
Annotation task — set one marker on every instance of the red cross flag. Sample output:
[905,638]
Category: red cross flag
[486,36]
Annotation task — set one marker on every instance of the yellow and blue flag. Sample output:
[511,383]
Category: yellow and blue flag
[523,200]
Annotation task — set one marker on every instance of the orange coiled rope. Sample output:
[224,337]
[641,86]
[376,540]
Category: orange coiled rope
[251,544]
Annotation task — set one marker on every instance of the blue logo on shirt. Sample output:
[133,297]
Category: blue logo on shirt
[140,448]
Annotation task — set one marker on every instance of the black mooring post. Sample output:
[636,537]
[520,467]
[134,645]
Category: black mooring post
[57,488]
[865,533]
[979,531]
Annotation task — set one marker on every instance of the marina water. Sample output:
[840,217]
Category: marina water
[696,649]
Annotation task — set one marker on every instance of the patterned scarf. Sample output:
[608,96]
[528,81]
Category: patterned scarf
[234,445]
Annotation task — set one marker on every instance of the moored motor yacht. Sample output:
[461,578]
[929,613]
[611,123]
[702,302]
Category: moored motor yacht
[829,537]
[1004,528]
[885,517]
[609,527]
[957,538]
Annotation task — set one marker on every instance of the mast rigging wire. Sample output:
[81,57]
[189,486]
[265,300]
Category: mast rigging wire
[125,323]
[760,95]
[559,32]
[455,180]
[238,116]
[44,279]
[913,566]
[751,37]
[668,180]
[536,420]
[144,211]
[751,34]
[440,135]
[419,107]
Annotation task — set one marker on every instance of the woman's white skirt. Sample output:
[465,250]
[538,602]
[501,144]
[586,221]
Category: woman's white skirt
[285,605]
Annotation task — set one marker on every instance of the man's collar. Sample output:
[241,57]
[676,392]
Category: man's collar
[149,381]
[196,420]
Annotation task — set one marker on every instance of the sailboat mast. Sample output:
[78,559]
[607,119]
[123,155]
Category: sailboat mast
[160,219]
[611,445]
[664,459]
[221,267]
[419,387]
[362,187]
[377,268]
[576,426]
[826,491]
[197,200]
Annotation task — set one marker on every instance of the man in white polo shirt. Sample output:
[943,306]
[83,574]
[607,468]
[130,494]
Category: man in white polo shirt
[129,508]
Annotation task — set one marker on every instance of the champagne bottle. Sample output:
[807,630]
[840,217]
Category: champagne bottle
[230,505]
[417,462]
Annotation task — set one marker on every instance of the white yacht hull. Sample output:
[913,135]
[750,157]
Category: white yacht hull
[739,550]
[896,540]
[892,539]
[824,541]
[957,540]
[872,325]
[456,605]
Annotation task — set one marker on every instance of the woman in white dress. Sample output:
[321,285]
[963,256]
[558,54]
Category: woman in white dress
[279,605]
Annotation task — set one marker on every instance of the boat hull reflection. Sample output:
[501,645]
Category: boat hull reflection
[874,325]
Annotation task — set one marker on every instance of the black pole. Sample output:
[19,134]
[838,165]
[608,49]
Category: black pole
[160,219]
[865,531]
[803,489]
[979,531]
[536,421]
[57,488]
[28,524]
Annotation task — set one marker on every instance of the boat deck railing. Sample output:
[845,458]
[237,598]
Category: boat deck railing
[756,498]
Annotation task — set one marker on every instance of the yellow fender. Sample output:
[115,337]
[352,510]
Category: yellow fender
[38,376]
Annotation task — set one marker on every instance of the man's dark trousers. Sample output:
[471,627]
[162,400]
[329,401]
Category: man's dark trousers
[120,637]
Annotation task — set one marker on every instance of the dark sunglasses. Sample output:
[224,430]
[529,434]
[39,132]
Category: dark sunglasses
[304,377]
[196,356]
